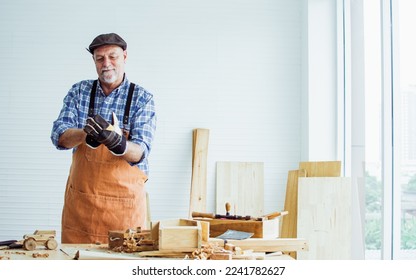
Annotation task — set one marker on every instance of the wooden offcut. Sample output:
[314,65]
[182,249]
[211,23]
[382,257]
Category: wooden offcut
[242,185]
[200,138]
[324,217]
[321,168]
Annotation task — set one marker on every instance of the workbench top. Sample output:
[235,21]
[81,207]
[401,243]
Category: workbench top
[87,251]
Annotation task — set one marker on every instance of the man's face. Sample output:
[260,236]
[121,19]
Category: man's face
[109,63]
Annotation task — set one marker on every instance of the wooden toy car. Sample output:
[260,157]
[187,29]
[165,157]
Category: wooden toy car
[40,237]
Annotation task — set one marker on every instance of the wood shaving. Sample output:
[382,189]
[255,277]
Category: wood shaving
[206,251]
[16,253]
[38,255]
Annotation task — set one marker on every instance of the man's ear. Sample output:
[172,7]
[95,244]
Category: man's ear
[125,55]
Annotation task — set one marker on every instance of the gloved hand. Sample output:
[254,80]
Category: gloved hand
[91,142]
[99,131]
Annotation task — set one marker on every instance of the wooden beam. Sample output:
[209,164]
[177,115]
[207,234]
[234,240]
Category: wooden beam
[289,222]
[266,245]
[200,139]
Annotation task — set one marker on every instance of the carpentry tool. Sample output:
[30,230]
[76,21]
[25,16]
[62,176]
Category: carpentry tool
[227,208]
[219,216]
[235,235]
[237,217]
[10,244]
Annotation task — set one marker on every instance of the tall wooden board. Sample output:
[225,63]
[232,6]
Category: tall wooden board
[324,217]
[200,139]
[242,185]
[289,222]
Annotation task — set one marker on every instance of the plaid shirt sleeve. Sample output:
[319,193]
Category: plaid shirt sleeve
[68,117]
[143,123]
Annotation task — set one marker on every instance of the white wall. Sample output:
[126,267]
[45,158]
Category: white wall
[232,66]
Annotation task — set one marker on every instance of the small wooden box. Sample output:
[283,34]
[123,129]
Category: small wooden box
[260,229]
[180,235]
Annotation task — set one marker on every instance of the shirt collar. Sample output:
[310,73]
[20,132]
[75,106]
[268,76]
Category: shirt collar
[124,85]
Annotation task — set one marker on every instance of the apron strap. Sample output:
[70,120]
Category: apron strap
[92,99]
[128,102]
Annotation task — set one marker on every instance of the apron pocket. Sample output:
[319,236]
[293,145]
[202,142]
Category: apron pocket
[96,214]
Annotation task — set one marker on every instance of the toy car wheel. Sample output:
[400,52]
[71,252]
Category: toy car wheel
[29,244]
[51,244]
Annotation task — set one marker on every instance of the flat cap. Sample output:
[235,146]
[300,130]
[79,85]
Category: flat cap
[107,39]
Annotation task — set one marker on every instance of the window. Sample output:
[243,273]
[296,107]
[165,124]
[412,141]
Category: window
[383,83]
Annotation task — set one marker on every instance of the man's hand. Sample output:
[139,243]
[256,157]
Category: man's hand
[100,131]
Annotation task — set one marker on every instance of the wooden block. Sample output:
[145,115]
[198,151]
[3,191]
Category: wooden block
[261,229]
[250,255]
[199,170]
[324,217]
[321,168]
[221,256]
[229,247]
[238,250]
[115,239]
[205,230]
[242,185]
[180,235]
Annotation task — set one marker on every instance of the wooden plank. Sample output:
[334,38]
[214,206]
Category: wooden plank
[200,138]
[93,255]
[321,168]
[289,222]
[242,185]
[266,245]
[324,217]
[163,254]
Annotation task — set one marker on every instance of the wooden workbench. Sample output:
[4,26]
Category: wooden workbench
[91,251]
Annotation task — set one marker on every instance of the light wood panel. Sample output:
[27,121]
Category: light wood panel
[200,138]
[289,222]
[242,185]
[324,217]
[321,168]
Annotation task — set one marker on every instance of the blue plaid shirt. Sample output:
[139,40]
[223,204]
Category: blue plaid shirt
[142,118]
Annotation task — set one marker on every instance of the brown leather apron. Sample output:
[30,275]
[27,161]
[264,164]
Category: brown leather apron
[103,192]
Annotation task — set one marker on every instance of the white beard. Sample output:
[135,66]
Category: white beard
[109,76]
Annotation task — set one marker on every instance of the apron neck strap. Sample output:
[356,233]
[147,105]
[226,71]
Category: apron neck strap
[126,109]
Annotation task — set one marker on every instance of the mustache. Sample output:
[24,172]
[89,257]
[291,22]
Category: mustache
[107,69]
